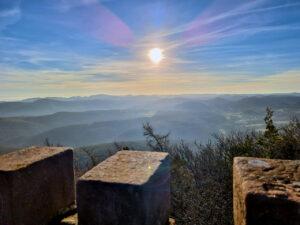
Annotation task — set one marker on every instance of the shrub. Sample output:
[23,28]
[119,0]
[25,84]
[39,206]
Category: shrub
[201,176]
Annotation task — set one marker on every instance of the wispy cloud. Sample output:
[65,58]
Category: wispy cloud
[10,13]
[225,19]
[65,5]
[95,20]
[181,83]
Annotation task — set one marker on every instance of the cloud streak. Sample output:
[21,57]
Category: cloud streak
[100,23]
[223,20]
[10,13]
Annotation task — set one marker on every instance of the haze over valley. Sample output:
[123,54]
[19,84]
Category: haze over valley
[85,121]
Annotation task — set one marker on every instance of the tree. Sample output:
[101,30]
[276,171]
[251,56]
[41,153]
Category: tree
[201,175]
[157,142]
[49,144]
[269,141]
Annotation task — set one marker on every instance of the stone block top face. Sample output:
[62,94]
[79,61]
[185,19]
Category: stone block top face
[273,178]
[127,167]
[23,158]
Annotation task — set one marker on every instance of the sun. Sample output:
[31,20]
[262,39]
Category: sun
[156,55]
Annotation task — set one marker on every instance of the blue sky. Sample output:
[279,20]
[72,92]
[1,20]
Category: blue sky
[86,47]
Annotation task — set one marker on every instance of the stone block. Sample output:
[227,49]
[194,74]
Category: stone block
[266,191]
[36,184]
[129,188]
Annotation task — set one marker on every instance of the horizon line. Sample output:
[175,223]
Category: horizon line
[137,95]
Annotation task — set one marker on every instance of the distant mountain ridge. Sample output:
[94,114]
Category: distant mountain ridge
[81,121]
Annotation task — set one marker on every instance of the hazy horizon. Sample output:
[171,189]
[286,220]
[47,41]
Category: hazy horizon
[98,119]
[137,95]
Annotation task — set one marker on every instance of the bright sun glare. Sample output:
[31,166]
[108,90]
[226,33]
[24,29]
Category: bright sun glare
[156,55]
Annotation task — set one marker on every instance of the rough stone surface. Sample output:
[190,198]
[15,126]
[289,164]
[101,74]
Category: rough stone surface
[266,191]
[73,220]
[36,184]
[129,188]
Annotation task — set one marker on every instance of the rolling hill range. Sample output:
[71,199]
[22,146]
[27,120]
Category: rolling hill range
[243,104]
[74,122]
[49,106]
[13,127]
[189,127]
[46,106]
[83,134]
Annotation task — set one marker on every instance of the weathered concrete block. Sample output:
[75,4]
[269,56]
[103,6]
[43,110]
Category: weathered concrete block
[36,184]
[266,191]
[129,188]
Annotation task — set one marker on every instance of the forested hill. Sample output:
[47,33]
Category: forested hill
[100,119]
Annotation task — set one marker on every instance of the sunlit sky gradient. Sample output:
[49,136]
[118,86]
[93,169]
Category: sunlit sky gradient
[86,47]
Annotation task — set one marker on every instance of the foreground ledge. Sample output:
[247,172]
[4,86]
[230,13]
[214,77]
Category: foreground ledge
[73,220]
[129,188]
[266,191]
[36,184]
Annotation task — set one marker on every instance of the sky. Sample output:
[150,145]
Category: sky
[63,48]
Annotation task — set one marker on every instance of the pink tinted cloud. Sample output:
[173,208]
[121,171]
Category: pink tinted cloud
[100,23]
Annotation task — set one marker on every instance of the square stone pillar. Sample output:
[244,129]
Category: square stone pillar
[36,184]
[129,188]
[266,191]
